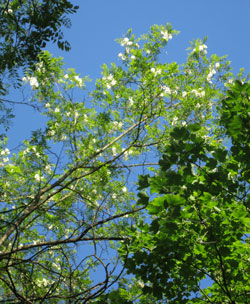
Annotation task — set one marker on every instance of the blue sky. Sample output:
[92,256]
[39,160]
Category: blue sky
[98,23]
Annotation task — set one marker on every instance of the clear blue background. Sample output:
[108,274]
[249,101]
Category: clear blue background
[98,23]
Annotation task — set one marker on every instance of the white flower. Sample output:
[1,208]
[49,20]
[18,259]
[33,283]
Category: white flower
[113,196]
[56,266]
[175,119]
[5,159]
[141,284]
[8,11]
[217,65]
[57,110]
[184,94]
[184,123]
[210,75]
[127,50]
[33,83]
[39,66]
[24,79]
[166,35]
[85,117]
[148,52]
[76,114]
[63,137]
[166,90]
[125,155]
[202,48]
[155,71]
[110,81]
[47,105]
[6,151]
[26,151]
[131,101]
[45,281]
[66,76]
[122,56]
[124,189]
[126,41]
[117,125]
[37,177]
[78,80]
[202,94]
[198,93]
[113,151]
[113,82]
[51,132]
[67,231]
[133,57]
[47,169]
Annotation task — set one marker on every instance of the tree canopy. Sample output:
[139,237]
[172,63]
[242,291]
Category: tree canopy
[70,201]
[200,216]
[27,26]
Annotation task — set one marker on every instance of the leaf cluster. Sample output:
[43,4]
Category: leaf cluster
[200,217]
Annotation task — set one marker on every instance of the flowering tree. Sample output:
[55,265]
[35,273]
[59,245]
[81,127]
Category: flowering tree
[68,194]
[25,28]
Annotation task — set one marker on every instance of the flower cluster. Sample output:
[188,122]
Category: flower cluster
[211,73]
[166,36]
[156,71]
[33,81]
[126,42]
[198,93]
[5,159]
[78,81]
[110,81]
[201,49]
[40,67]
[122,56]
[117,125]
[166,91]
[38,177]
[75,79]
[5,152]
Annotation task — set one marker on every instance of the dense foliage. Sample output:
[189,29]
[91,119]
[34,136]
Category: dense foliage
[27,26]
[200,217]
[69,202]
